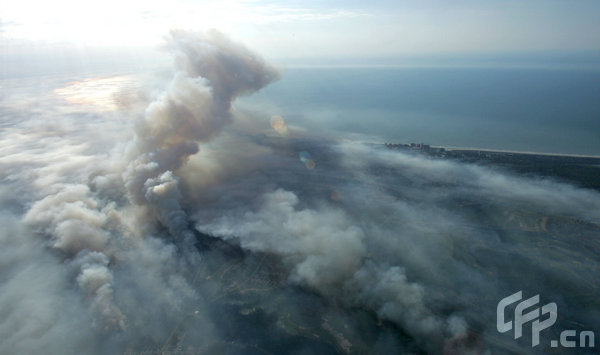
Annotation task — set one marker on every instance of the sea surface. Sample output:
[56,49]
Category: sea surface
[537,110]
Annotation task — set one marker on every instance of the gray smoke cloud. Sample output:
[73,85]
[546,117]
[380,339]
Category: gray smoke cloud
[327,252]
[195,234]
[77,227]
[211,72]
[94,230]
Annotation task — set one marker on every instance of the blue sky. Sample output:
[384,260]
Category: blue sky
[313,29]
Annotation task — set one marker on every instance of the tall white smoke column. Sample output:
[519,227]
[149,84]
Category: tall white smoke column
[211,72]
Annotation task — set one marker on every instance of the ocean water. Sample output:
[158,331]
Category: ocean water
[540,110]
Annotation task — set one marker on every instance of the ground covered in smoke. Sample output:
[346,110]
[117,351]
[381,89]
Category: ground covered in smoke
[160,218]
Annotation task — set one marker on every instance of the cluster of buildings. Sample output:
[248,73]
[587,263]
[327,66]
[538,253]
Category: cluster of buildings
[417,147]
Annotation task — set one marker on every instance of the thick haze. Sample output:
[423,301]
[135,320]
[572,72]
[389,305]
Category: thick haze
[148,214]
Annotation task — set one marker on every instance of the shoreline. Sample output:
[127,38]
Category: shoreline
[422,147]
[449,148]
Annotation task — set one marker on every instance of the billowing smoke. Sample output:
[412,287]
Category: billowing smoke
[93,233]
[327,252]
[211,71]
[76,226]
[196,235]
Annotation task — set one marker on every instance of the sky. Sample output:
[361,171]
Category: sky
[310,29]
